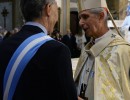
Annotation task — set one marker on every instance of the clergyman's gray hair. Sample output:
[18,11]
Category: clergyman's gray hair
[99,10]
[32,9]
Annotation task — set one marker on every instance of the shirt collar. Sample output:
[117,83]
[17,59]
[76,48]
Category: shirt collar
[98,39]
[38,25]
[98,47]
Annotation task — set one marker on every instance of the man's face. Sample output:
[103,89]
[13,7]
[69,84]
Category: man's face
[89,23]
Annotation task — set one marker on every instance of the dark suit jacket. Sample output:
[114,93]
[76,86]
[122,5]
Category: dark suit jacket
[48,76]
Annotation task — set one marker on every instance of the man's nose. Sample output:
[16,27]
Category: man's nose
[81,22]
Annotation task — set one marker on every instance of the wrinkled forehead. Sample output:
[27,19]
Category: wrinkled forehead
[84,12]
[93,10]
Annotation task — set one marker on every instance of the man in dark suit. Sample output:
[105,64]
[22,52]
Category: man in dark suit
[48,74]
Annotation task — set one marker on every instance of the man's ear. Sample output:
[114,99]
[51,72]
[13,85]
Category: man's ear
[48,10]
[101,16]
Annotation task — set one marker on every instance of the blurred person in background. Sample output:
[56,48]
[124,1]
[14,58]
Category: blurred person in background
[69,40]
[10,33]
[56,35]
[80,40]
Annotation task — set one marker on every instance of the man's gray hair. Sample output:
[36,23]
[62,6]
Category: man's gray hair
[99,10]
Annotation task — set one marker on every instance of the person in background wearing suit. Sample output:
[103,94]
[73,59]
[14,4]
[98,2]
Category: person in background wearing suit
[33,66]
[69,40]
[56,35]
[102,71]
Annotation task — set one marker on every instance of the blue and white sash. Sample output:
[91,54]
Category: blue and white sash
[18,62]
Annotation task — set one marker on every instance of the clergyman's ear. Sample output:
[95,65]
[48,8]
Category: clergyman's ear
[101,16]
